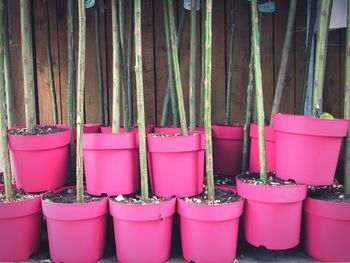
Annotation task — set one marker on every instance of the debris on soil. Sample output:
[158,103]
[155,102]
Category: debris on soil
[37,130]
[136,199]
[69,196]
[164,134]
[18,195]
[332,193]
[221,197]
[272,180]
[225,180]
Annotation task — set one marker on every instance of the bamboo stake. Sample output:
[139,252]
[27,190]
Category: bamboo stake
[27,63]
[284,58]
[347,104]
[321,55]
[116,69]
[230,65]
[128,63]
[49,61]
[140,100]
[201,109]
[192,72]
[4,143]
[258,89]
[99,62]
[8,72]
[80,99]
[176,67]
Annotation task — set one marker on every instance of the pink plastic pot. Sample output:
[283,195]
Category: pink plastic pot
[227,149]
[176,164]
[254,164]
[142,232]
[327,230]
[76,232]
[92,128]
[20,228]
[40,162]
[173,130]
[149,129]
[272,214]
[111,163]
[209,232]
[307,148]
[231,188]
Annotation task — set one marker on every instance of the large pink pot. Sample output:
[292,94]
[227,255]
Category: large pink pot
[307,148]
[148,129]
[142,232]
[254,164]
[76,232]
[176,164]
[327,230]
[111,163]
[227,149]
[209,232]
[272,214]
[20,228]
[40,162]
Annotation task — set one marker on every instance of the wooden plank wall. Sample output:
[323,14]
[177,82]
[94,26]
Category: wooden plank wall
[155,59]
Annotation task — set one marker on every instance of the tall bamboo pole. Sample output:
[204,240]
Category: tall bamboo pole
[176,67]
[284,58]
[230,64]
[99,62]
[116,69]
[140,100]
[3,129]
[192,77]
[49,61]
[128,62]
[321,55]
[201,108]
[258,89]
[80,99]
[347,104]
[8,71]
[27,63]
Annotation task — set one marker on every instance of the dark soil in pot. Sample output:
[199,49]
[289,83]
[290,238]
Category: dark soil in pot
[136,199]
[69,196]
[332,193]
[224,180]
[1,179]
[37,130]
[221,197]
[18,195]
[228,125]
[272,180]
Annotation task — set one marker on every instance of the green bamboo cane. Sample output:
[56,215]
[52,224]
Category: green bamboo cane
[80,98]
[4,143]
[49,61]
[258,89]
[176,67]
[27,63]
[140,100]
[99,62]
[192,77]
[230,64]
[201,108]
[284,59]
[321,55]
[347,104]
[116,69]
[8,71]
[128,63]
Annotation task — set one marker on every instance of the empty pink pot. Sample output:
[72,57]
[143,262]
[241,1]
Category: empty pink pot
[307,148]
[148,129]
[227,149]
[20,228]
[176,164]
[254,164]
[142,232]
[40,162]
[209,232]
[76,232]
[111,163]
[272,214]
[327,230]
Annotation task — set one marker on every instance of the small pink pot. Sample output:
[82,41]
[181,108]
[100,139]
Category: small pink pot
[142,232]
[227,149]
[148,129]
[76,232]
[176,164]
[209,232]
[111,163]
[40,162]
[307,148]
[20,228]
[327,230]
[272,214]
[254,164]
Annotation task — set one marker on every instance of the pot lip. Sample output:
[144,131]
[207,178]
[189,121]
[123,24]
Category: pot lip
[327,202]
[238,202]
[170,201]
[27,200]
[269,132]
[68,130]
[220,124]
[172,136]
[120,133]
